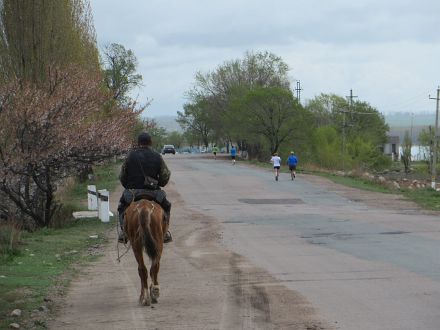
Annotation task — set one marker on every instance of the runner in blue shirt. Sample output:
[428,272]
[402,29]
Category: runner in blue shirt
[233,154]
[292,161]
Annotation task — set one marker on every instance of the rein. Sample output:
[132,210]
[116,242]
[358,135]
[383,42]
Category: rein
[127,247]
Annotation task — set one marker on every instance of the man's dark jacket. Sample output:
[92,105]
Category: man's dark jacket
[153,165]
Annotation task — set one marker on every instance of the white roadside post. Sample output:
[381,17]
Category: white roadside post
[92,199]
[99,203]
[103,205]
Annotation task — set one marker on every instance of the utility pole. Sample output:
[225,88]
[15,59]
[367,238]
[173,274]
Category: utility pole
[434,158]
[350,105]
[350,102]
[298,90]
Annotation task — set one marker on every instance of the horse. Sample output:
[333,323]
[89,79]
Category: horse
[145,229]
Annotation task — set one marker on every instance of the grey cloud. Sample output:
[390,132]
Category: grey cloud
[238,23]
[353,43]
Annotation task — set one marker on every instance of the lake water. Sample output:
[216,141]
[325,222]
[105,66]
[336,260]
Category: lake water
[417,152]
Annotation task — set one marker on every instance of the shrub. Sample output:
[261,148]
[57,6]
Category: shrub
[327,146]
[10,238]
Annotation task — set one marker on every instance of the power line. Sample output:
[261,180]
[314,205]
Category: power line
[405,102]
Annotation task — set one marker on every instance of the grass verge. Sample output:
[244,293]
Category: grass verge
[426,198]
[105,177]
[355,182]
[46,260]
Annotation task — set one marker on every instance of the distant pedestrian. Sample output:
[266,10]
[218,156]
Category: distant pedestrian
[292,161]
[233,154]
[276,161]
[214,151]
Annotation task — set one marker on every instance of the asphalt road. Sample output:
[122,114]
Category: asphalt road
[364,261]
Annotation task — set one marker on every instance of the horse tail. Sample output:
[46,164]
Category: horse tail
[149,241]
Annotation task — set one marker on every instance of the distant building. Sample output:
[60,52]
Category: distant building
[392,147]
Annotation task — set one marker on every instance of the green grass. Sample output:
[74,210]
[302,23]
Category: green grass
[105,177]
[355,182]
[44,262]
[29,276]
[426,198]
[421,168]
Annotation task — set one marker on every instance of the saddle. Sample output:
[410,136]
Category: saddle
[134,195]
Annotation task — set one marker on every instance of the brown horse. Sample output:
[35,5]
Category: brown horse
[145,228]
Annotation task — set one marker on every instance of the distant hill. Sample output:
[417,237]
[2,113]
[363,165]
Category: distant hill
[404,119]
[400,122]
[169,123]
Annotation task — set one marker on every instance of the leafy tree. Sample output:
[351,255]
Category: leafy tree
[50,94]
[262,69]
[271,112]
[191,138]
[195,119]
[221,90]
[175,138]
[120,72]
[406,152]
[367,122]
[326,108]
[37,34]
[365,154]
[426,141]
[360,126]
[360,119]
[48,134]
[327,146]
[158,133]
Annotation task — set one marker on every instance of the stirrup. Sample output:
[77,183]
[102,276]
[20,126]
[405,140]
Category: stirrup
[122,238]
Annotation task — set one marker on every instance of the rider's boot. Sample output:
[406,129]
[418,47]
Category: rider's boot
[167,237]
[122,238]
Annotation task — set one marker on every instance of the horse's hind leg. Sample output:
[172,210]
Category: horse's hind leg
[144,298]
[154,288]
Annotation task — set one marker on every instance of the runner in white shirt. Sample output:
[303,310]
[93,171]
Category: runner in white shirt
[276,161]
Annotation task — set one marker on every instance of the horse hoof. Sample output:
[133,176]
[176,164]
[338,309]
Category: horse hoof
[146,302]
[154,292]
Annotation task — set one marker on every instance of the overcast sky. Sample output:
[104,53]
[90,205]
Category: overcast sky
[387,51]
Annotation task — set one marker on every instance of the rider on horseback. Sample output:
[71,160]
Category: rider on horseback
[142,174]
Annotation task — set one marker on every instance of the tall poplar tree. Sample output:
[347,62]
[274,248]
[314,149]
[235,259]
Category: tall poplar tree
[36,35]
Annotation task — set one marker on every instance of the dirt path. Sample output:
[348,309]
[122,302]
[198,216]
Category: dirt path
[202,287]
